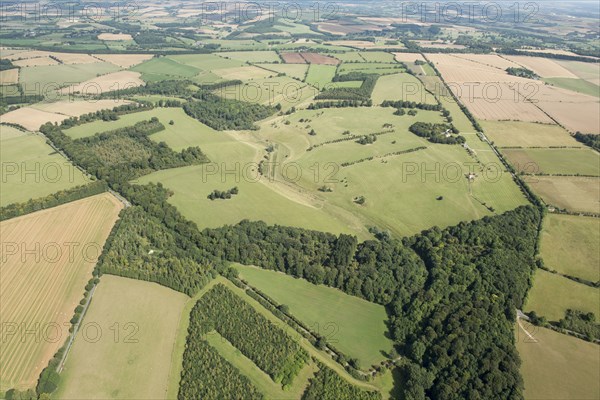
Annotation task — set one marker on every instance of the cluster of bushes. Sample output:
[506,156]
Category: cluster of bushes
[340,104]
[223,194]
[269,347]
[328,385]
[411,104]
[220,113]
[437,133]
[177,88]
[349,137]
[367,139]
[53,200]
[6,64]
[105,115]
[129,148]
[591,140]
[395,153]
[580,322]
[522,72]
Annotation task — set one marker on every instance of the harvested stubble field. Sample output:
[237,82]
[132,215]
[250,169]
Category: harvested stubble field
[46,290]
[568,192]
[74,58]
[34,62]
[30,118]
[408,57]
[106,83]
[243,73]
[544,67]
[9,77]
[557,366]
[137,364]
[114,36]
[124,60]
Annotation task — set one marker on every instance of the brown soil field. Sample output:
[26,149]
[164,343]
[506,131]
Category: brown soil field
[544,67]
[293,58]
[35,62]
[568,192]
[114,36]
[408,57]
[316,58]
[106,83]
[30,118]
[9,77]
[124,60]
[45,286]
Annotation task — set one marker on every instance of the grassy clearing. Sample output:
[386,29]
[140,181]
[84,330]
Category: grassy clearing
[570,245]
[54,76]
[527,134]
[355,326]
[31,168]
[46,290]
[261,380]
[568,192]
[351,56]
[576,85]
[165,68]
[556,366]
[553,294]
[401,87]
[320,75]
[136,364]
[582,161]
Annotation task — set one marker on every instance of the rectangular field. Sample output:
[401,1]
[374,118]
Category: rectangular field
[582,161]
[132,358]
[354,326]
[320,75]
[293,58]
[9,77]
[568,192]
[252,56]
[552,295]
[45,286]
[31,169]
[570,245]
[401,87]
[556,366]
[527,134]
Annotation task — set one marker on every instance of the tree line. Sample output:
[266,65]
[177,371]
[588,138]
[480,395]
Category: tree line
[437,133]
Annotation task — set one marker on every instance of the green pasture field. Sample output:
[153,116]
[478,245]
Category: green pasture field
[165,68]
[570,245]
[377,56]
[297,71]
[235,45]
[552,295]
[252,56]
[52,76]
[139,323]
[320,75]
[355,326]
[527,134]
[270,91]
[401,86]
[582,161]
[351,56]
[295,28]
[576,85]
[346,84]
[31,169]
[206,62]
[569,192]
[557,366]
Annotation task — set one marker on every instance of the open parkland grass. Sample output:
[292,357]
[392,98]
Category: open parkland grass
[31,168]
[45,287]
[570,245]
[353,325]
[556,366]
[552,295]
[583,161]
[401,86]
[132,357]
